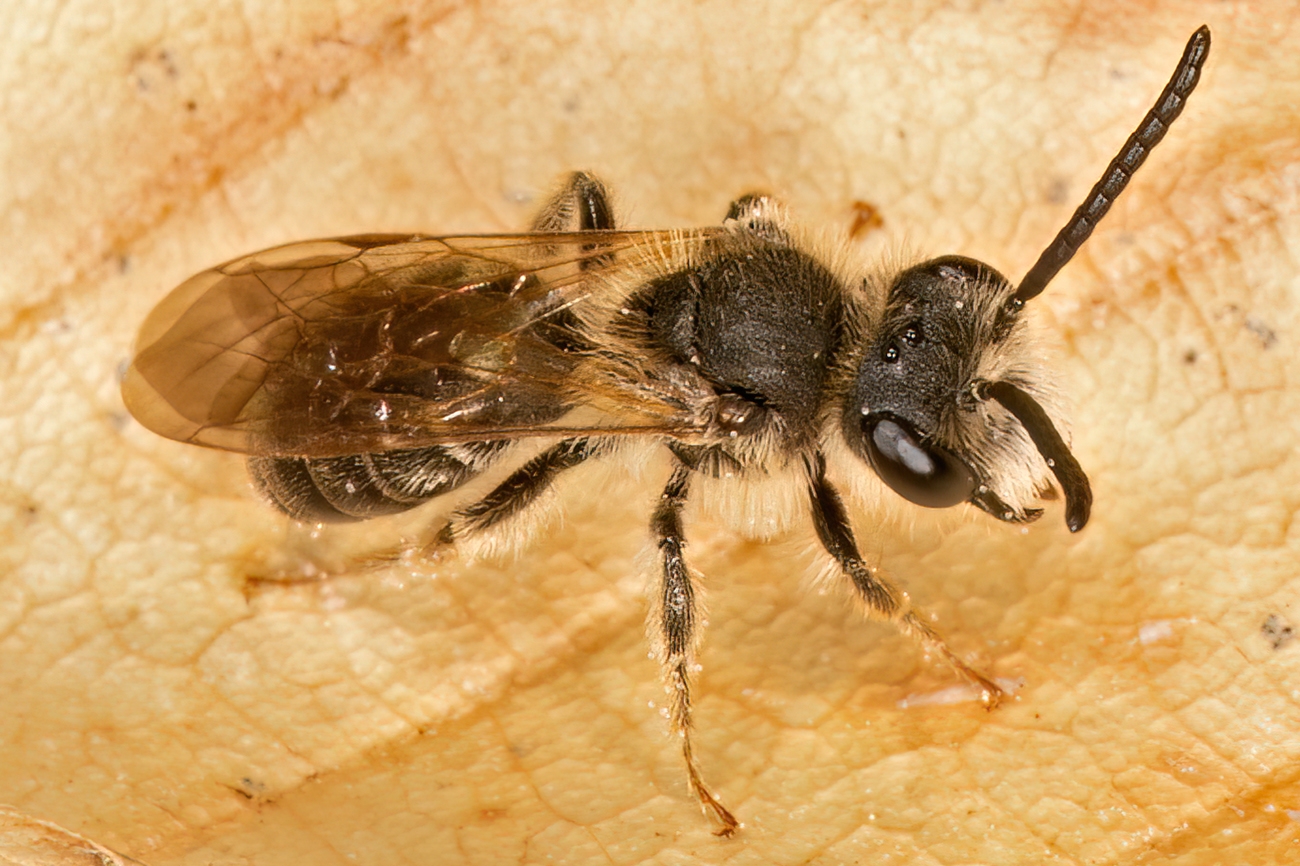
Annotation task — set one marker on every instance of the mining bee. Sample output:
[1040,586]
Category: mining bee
[366,375]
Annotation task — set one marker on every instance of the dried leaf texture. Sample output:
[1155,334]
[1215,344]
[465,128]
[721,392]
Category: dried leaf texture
[506,712]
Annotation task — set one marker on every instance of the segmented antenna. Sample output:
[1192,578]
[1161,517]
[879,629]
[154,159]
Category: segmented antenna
[1073,480]
[1121,169]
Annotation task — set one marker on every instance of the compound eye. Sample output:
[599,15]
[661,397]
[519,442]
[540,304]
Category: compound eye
[919,472]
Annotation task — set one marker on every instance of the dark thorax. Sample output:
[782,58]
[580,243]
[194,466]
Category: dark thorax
[759,320]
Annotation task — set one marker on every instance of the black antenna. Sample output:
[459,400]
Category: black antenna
[1121,169]
[1073,480]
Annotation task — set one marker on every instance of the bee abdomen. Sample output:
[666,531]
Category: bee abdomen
[360,486]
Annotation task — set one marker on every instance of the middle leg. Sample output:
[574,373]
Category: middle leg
[675,634]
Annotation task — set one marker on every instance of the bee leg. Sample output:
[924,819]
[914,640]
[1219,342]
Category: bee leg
[674,634]
[758,213]
[582,204]
[522,488]
[881,598]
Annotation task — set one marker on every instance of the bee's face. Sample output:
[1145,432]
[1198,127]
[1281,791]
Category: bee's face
[919,369]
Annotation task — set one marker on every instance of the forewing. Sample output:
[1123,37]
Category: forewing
[374,343]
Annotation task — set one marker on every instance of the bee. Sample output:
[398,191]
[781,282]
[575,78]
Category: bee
[364,376]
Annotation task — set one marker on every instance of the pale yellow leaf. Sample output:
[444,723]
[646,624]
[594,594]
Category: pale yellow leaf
[506,712]
[27,841]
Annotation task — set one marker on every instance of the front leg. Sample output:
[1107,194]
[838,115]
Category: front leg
[880,597]
[674,634]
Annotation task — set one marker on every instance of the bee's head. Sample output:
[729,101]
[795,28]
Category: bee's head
[947,345]
[916,410]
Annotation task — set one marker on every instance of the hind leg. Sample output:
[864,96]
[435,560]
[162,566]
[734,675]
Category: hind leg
[510,499]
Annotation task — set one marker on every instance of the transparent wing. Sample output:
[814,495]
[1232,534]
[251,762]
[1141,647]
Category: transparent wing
[378,342]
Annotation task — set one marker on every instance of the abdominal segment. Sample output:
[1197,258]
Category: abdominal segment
[360,486]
